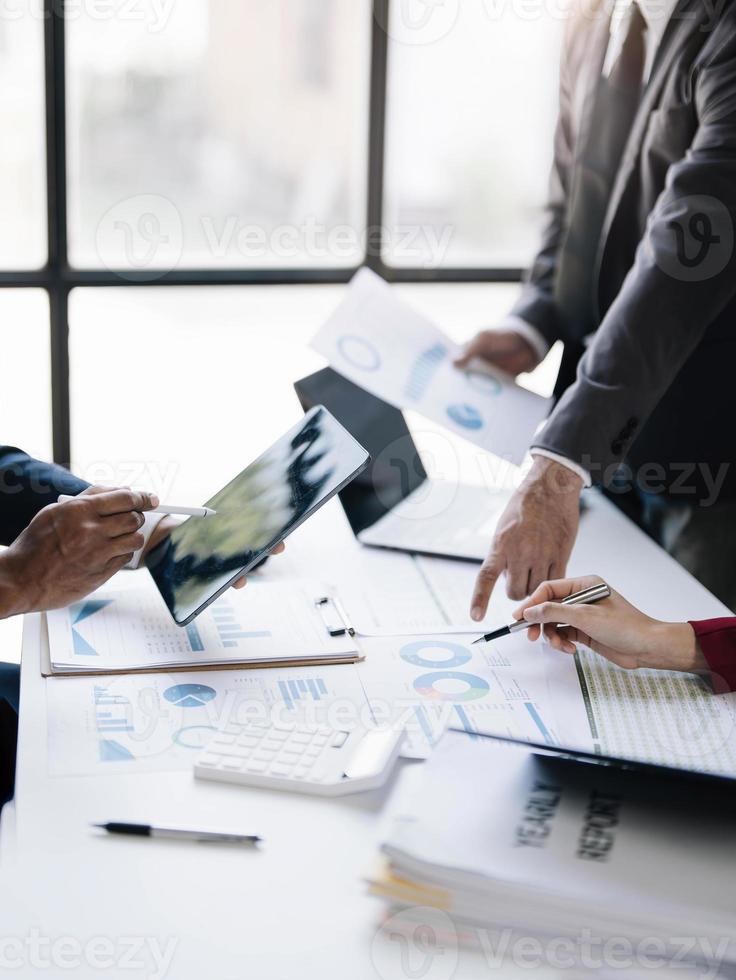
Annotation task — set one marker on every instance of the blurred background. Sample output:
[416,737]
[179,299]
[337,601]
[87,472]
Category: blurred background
[185,185]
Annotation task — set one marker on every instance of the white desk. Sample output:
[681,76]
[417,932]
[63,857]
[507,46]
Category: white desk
[297,908]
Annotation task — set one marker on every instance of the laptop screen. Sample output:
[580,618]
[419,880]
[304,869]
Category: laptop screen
[396,469]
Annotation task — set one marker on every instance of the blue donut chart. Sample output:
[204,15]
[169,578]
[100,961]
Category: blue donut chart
[411,653]
[466,416]
[359,352]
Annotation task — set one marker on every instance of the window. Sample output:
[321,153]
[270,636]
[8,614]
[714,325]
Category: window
[472,92]
[198,145]
[25,393]
[22,161]
[225,133]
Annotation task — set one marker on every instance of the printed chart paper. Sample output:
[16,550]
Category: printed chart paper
[125,625]
[432,683]
[160,722]
[386,347]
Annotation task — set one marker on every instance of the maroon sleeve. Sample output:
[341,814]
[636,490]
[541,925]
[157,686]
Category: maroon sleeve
[717,638]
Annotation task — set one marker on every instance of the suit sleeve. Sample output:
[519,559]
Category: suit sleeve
[717,639]
[666,303]
[536,305]
[26,486]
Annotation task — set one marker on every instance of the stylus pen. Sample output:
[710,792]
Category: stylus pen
[165,508]
[178,833]
[594,594]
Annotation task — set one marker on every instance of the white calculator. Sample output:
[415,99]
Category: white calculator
[304,758]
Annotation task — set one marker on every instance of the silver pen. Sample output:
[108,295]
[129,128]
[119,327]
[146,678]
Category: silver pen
[594,594]
[178,833]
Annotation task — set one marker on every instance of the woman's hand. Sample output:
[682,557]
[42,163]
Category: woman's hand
[612,627]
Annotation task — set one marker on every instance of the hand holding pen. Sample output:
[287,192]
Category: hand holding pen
[614,628]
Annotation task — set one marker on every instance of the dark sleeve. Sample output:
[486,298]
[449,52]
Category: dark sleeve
[26,486]
[663,310]
[536,305]
[717,639]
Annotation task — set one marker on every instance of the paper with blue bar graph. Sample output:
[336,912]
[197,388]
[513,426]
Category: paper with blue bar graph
[386,347]
[160,722]
[125,627]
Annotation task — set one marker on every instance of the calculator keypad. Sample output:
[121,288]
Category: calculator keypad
[288,752]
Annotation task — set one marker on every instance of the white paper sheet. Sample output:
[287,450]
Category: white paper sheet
[389,349]
[434,682]
[160,722]
[125,625]
[387,593]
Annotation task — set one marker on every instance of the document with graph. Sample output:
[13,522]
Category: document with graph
[125,627]
[386,347]
[160,722]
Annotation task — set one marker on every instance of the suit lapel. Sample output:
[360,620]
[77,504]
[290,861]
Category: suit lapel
[593,69]
[685,21]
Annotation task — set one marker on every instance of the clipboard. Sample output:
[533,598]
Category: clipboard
[330,617]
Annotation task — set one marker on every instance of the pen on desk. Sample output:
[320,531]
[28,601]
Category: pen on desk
[164,508]
[594,594]
[178,833]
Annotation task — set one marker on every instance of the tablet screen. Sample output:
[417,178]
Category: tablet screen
[255,511]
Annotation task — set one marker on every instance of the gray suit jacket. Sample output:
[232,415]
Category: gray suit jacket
[656,384]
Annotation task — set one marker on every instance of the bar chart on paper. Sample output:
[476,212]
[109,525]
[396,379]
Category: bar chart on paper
[128,627]
[158,722]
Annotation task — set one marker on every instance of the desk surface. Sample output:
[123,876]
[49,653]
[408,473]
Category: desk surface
[298,907]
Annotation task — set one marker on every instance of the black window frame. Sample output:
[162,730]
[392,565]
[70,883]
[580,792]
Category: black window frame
[58,278]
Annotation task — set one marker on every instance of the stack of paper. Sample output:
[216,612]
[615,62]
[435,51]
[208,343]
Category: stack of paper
[124,627]
[496,836]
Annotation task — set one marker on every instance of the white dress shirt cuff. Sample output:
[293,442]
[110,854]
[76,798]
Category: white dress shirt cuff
[152,521]
[530,334]
[563,461]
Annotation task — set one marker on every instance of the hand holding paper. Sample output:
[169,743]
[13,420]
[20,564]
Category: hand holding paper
[386,347]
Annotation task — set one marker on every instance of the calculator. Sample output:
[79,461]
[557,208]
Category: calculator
[303,758]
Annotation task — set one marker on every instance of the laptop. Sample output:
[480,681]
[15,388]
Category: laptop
[393,503]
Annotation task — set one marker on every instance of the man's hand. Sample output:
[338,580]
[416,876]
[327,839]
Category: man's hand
[505,349]
[613,628]
[70,549]
[534,536]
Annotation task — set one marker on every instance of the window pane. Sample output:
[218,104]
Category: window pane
[177,389]
[471,109]
[22,161]
[25,392]
[218,133]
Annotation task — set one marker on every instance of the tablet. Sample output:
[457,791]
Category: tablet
[202,557]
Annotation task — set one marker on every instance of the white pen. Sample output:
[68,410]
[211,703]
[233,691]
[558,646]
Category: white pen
[165,509]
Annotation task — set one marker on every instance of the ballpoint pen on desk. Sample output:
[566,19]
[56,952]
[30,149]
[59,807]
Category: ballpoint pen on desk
[594,594]
[178,833]
[165,508]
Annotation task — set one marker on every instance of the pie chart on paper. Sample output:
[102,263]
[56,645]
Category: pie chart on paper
[465,416]
[189,695]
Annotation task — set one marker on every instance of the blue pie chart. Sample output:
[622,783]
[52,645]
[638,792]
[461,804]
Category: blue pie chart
[189,695]
[359,352]
[465,416]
